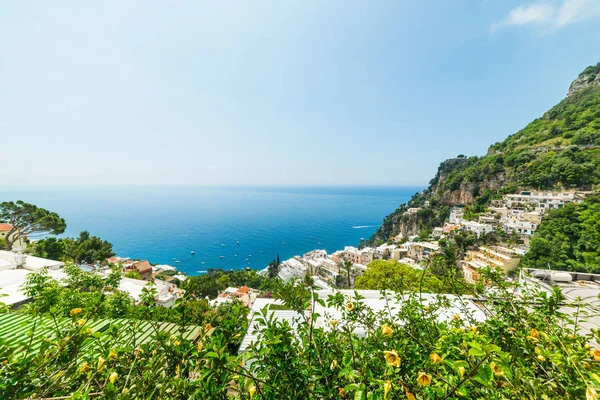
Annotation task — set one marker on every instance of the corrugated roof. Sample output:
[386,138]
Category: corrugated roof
[18,330]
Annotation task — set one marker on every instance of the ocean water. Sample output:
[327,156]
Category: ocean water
[165,224]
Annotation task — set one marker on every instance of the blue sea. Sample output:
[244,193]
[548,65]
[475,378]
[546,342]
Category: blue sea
[165,224]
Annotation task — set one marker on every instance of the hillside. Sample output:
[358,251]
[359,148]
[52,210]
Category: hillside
[559,150]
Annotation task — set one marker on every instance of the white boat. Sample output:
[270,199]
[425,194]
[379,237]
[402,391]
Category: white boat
[193,252]
[203,262]
[246,259]
[222,245]
[221,256]
[238,242]
[235,255]
[177,261]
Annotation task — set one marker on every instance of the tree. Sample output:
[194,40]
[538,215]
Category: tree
[26,219]
[51,248]
[88,249]
[391,275]
[347,266]
[273,267]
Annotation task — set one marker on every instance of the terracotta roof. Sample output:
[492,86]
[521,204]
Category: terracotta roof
[5,227]
[142,266]
[243,289]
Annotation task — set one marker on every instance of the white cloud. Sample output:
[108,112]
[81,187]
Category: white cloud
[549,15]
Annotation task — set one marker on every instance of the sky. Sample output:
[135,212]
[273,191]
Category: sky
[275,92]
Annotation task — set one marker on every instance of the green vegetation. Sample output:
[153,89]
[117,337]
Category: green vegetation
[209,284]
[406,350]
[568,239]
[27,219]
[84,249]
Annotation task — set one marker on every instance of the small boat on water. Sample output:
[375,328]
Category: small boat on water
[283,243]
[319,243]
[193,252]
[203,262]
[235,255]
[246,259]
[238,242]
[177,261]
[222,244]
[221,256]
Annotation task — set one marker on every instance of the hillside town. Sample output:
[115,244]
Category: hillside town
[518,214]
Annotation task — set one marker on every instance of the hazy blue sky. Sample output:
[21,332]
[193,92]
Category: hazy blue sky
[272,92]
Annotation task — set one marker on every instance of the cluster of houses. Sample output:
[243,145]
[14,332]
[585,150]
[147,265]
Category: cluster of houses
[519,213]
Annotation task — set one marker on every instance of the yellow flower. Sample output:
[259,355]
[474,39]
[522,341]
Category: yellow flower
[496,369]
[100,363]
[349,306]
[251,390]
[334,365]
[591,394]
[541,357]
[113,377]
[208,327]
[435,358]
[424,379]
[334,322]
[342,392]
[81,322]
[426,308]
[461,371]
[138,351]
[76,311]
[199,346]
[387,386]
[112,355]
[596,354]
[456,317]
[177,343]
[84,367]
[88,331]
[386,330]
[534,334]
[392,358]
[473,329]
[410,396]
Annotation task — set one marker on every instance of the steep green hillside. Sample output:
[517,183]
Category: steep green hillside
[559,150]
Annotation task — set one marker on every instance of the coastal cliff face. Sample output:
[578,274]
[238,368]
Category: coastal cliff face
[590,77]
[559,150]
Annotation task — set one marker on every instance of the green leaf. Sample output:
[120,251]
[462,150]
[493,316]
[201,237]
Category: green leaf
[484,374]
[476,352]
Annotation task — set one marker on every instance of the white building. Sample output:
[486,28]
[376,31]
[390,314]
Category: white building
[477,228]
[14,269]
[542,201]
[456,215]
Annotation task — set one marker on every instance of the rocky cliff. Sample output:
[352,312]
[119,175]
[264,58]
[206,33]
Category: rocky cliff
[590,77]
